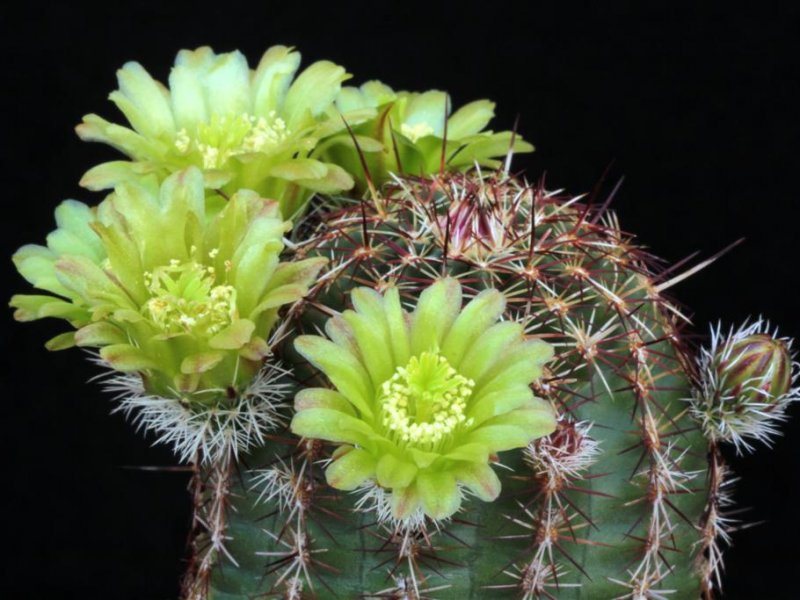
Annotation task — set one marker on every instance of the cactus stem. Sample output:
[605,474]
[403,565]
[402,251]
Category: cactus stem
[717,525]
[555,461]
[210,489]
[290,484]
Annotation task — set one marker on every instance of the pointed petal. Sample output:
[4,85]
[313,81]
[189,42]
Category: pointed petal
[394,473]
[370,336]
[488,405]
[98,334]
[397,326]
[332,426]
[227,85]
[143,100]
[469,452]
[404,502]
[126,358]
[481,480]
[322,398]
[350,470]
[487,349]
[345,372]
[233,337]
[436,310]
[497,438]
[439,494]
[521,365]
[61,342]
[428,108]
[272,78]
[313,92]
[187,97]
[470,119]
[201,362]
[478,315]
[536,419]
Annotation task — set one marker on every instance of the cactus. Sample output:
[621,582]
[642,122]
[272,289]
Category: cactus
[448,383]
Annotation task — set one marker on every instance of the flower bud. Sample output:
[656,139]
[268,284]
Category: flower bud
[755,368]
[745,384]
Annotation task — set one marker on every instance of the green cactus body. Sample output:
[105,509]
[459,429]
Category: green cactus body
[608,506]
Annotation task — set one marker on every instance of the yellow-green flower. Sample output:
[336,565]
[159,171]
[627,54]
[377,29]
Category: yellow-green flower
[408,132]
[182,292]
[255,129]
[422,401]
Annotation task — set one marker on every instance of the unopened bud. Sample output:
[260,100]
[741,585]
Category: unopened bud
[756,368]
[745,384]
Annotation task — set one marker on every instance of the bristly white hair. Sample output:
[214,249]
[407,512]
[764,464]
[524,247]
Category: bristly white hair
[207,433]
[729,418]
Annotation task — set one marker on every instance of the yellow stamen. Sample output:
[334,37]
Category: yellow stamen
[425,401]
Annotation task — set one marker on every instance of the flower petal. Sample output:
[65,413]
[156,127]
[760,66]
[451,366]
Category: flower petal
[272,78]
[30,307]
[483,355]
[470,119]
[394,473]
[309,398]
[124,357]
[332,426]
[436,310]
[227,85]
[497,438]
[143,100]
[476,317]
[398,327]
[488,405]
[439,493]
[98,334]
[343,369]
[370,335]
[350,470]
[429,108]
[481,480]
[469,452]
[187,97]
[404,502]
[537,419]
[313,92]
[201,362]
[61,342]
[233,337]
[520,365]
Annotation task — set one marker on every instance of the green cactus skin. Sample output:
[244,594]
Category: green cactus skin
[612,505]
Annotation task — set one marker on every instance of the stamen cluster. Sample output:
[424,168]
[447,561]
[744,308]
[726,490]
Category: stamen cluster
[425,401]
[185,299]
[226,136]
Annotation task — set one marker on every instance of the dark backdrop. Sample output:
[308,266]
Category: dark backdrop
[697,108]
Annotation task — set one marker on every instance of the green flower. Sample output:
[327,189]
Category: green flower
[245,129]
[407,134]
[184,293]
[423,401]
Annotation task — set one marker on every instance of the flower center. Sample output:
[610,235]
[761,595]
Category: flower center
[185,299]
[231,135]
[425,401]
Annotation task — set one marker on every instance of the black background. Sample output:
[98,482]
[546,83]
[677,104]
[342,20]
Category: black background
[696,107]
